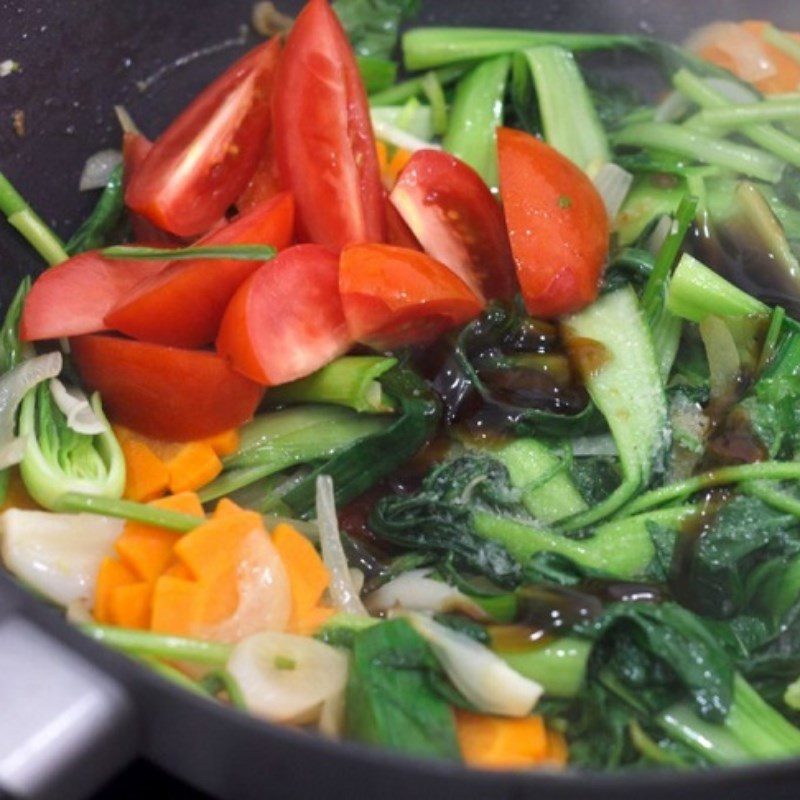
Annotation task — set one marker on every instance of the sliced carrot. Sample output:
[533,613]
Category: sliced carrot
[557,750]
[225,443]
[194,465]
[493,742]
[130,605]
[146,475]
[308,577]
[111,576]
[175,606]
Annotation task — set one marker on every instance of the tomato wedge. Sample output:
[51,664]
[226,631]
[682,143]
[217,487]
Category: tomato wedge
[452,212]
[557,225]
[397,232]
[323,134]
[165,392]
[183,305]
[393,296]
[203,161]
[286,320]
[265,183]
[74,297]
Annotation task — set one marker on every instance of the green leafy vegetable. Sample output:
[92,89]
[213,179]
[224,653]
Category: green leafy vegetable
[373,26]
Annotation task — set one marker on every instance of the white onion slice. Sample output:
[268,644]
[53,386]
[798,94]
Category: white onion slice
[74,405]
[662,229]
[391,134]
[59,555]
[672,108]
[416,591]
[343,593]
[480,675]
[287,678]
[751,60]
[613,183]
[98,168]
[732,90]
[14,385]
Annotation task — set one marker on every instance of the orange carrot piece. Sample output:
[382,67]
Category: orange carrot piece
[147,551]
[175,606]
[112,575]
[310,622]
[146,475]
[178,570]
[17,495]
[186,502]
[130,605]
[226,508]
[557,749]
[225,443]
[308,576]
[491,742]
[195,465]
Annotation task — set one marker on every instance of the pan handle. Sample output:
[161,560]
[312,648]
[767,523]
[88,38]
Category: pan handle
[65,726]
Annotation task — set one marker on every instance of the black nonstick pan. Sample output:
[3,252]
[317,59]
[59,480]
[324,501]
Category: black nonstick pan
[72,713]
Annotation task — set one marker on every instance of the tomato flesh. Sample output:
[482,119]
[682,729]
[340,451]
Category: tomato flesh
[323,135]
[286,321]
[183,305]
[204,160]
[165,392]
[393,296]
[453,214]
[557,224]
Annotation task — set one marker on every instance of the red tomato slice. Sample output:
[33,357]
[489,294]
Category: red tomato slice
[74,297]
[557,225]
[265,183]
[394,297]
[323,134]
[203,161]
[183,305]
[286,320]
[453,214]
[165,392]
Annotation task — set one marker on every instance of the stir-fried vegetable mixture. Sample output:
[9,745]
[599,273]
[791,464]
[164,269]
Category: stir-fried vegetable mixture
[457,414]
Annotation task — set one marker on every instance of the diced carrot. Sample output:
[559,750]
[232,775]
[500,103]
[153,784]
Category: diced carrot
[391,162]
[491,742]
[185,502]
[179,570]
[16,494]
[557,750]
[112,575]
[225,443]
[147,551]
[130,605]
[311,621]
[308,577]
[175,606]
[146,475]
[398,161]
[225,508]
[194,465]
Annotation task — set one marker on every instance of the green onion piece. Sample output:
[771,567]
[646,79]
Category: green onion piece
[22,217]
[220,680]
[234,252]
[699,147]
[706,96]
[104,219]
[77,503]
[351,381]
[156,645]
[475,115]
[406,90]
[738,115]
[433,91]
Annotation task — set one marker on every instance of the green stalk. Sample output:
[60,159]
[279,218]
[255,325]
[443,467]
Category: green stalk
[22,217]
[433,91]
[782,501]
[405,90]
[573,127]
[723,476]
[171,674]
[698,91]
[475,115]
[738,115]
[699,147]
[232,252]
[220,680]
[350,381]
[76,503]
[156,645]
[104,219]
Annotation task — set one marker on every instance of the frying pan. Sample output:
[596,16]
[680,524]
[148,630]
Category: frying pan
[73,713]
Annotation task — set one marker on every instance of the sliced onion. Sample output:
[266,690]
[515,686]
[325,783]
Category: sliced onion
[662,229]
[416,591]
[59,555]
[98,168]
[287,678]
[74,405]
[126,121]
[750,58]
[480,675]
[332,716]
[14,385]
[613,183]
[732,90]
[343,592]
[724,363]
[672,108]
[391,134]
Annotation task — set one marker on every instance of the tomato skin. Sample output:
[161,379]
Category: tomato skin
[203,161]
[324,143]
[286,321]
[453,214]
[182,306]
[165,392]
[557,225]
[73,298]
[393,296]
